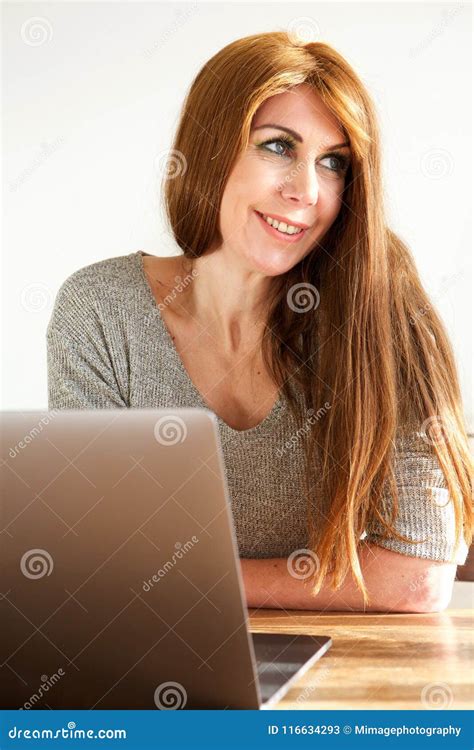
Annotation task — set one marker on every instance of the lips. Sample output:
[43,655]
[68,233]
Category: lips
[286,239]
[290,222]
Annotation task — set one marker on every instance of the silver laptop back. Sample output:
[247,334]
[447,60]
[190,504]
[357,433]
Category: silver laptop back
[104,516]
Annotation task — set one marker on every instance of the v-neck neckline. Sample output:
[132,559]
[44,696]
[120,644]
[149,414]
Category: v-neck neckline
[277,407]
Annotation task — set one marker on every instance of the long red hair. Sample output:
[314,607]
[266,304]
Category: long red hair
[374,347]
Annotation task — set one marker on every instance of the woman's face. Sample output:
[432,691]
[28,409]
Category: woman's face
[290,172]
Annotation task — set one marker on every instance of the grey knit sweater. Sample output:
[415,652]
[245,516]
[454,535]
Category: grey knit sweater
[108,347]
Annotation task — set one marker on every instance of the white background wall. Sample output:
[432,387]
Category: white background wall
[91,97]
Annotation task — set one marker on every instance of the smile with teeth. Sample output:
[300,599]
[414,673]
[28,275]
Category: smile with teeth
[281,226]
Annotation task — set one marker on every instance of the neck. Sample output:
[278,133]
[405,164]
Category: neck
[228,299]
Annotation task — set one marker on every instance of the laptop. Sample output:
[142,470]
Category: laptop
[120,581]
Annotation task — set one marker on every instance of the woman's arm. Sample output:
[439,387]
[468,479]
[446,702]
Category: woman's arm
[395,583]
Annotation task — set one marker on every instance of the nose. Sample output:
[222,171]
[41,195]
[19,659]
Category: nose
[301,185]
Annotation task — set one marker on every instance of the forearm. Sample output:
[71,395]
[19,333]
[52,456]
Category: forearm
[268,584]
[394,583]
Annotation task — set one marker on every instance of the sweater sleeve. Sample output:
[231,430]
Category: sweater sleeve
[425,508]
[80,369]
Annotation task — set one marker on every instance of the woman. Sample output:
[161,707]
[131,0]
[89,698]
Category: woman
[298,317]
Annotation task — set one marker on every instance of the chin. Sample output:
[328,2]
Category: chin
[272,264]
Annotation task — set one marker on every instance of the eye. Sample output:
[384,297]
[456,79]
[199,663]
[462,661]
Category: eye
[340,162]
[285,147]
[287,144]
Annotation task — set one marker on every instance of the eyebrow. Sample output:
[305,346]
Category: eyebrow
[296,135]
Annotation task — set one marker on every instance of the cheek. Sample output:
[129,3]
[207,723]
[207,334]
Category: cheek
[329,202]
[253,181]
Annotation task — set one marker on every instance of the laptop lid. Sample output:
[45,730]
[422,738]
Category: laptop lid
[119,582]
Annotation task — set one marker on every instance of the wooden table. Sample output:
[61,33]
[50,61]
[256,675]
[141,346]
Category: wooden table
[380,661]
